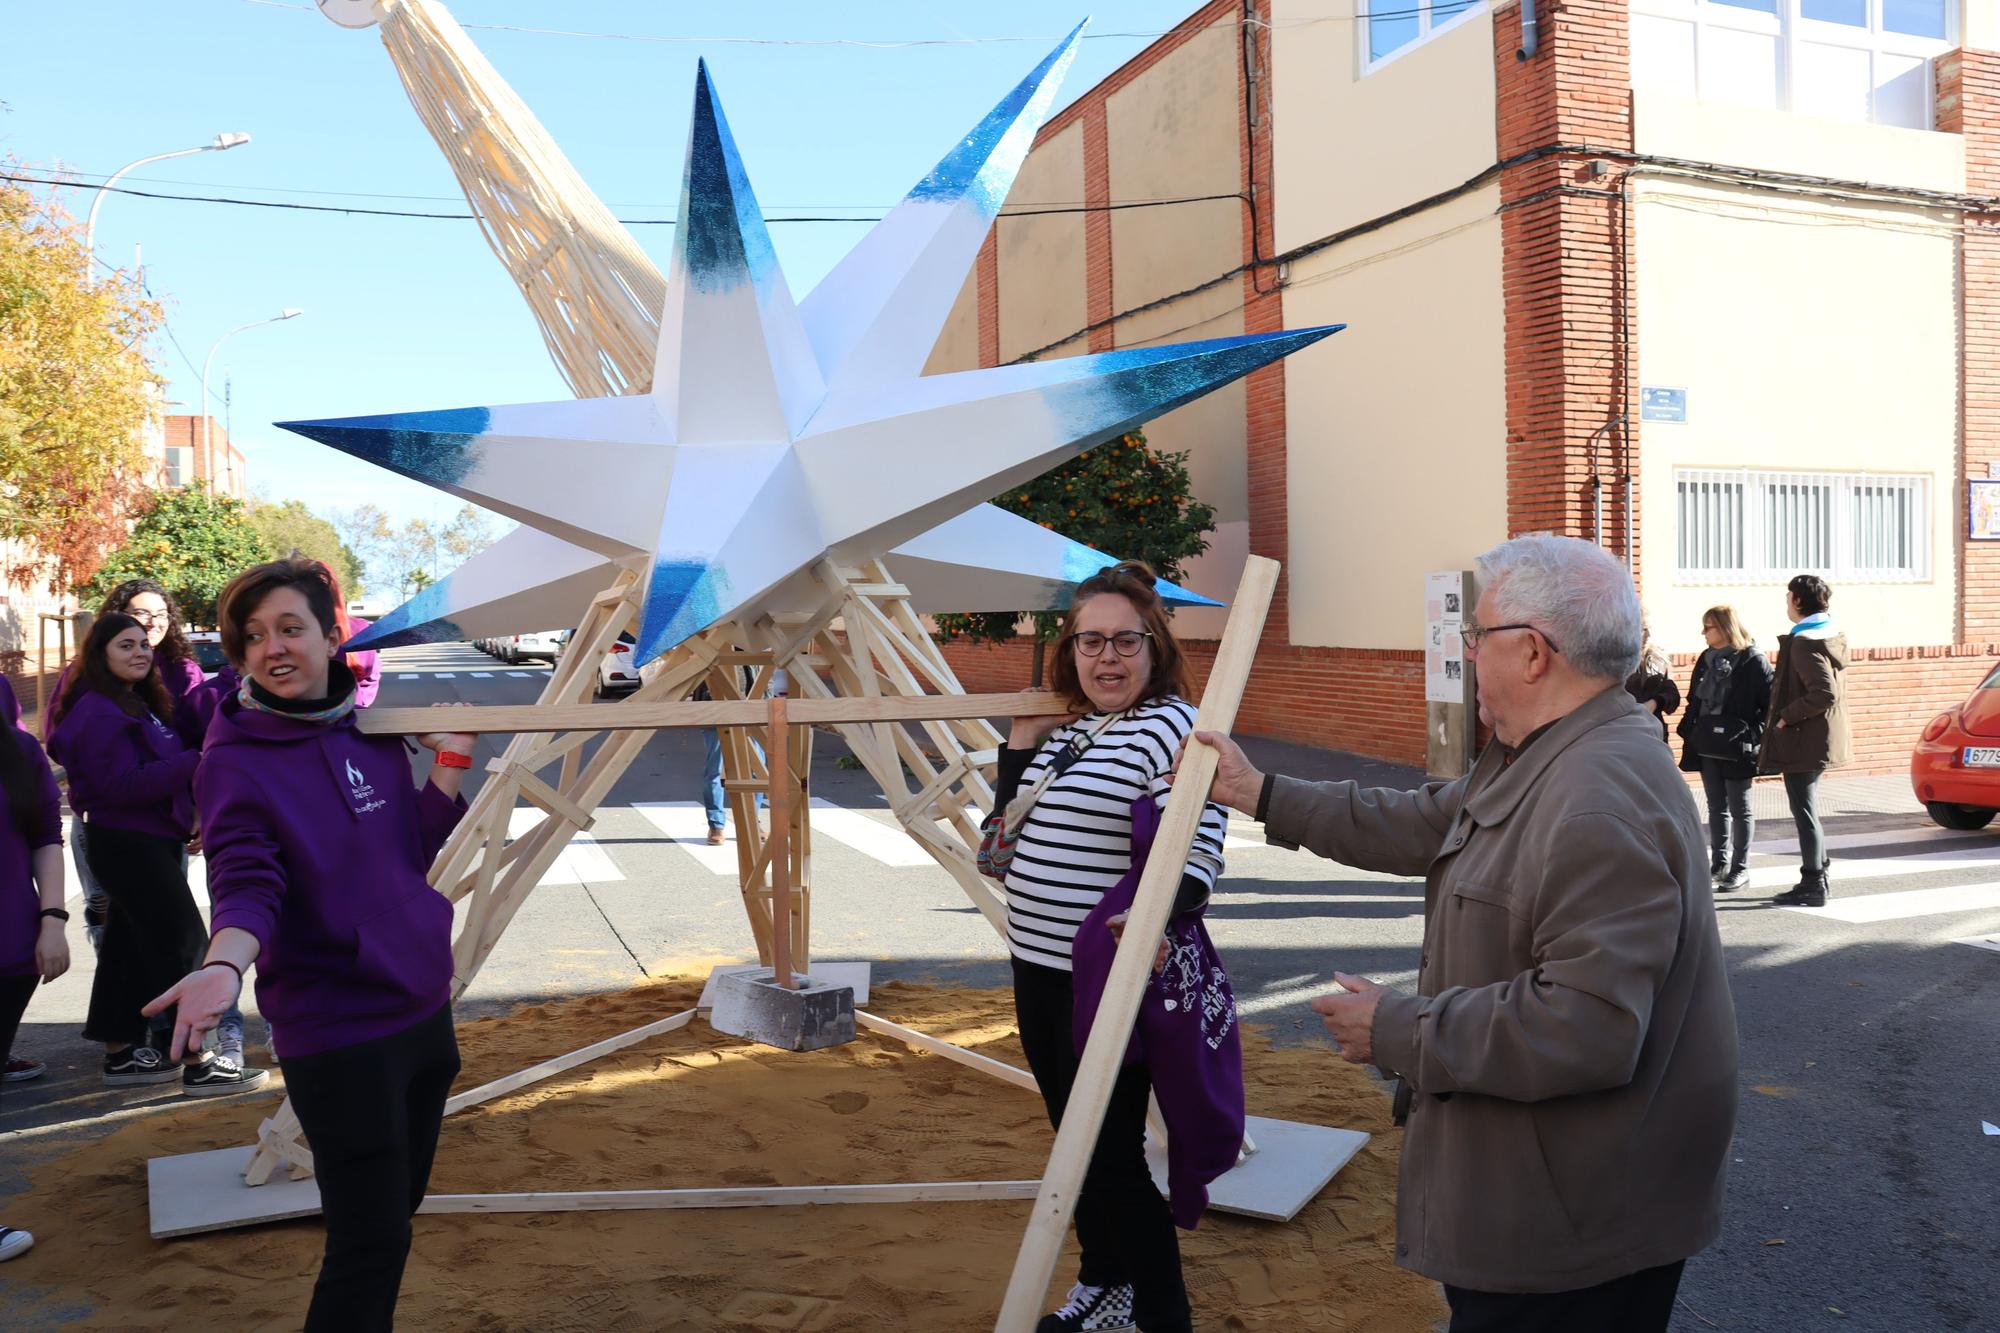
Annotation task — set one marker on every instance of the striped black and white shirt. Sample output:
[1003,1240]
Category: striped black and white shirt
[1077,842]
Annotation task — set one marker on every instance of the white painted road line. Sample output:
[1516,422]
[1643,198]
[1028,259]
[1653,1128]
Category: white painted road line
[518,673]
[447,675]
[1982,942]
[581,862]
[1889,837]
[1881,867]
[482,675]
[1915,902]
[887,843]
[406,675]
[686,823]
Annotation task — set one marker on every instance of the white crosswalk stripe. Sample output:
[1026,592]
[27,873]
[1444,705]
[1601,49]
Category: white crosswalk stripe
[407,675]
[515,673]
[1874,907]
[1917,833]
[885,842]
[482,675]
[582,861]
[1982,942]
[1880,867]
[686,824]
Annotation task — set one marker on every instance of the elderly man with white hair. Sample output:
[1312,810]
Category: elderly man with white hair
[1569,1058]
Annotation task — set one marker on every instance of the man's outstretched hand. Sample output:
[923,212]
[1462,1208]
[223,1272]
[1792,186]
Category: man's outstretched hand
[1238,783]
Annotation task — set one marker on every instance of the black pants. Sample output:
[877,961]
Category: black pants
[15,992]
[153,935]
[1802,791]
[1122,1222]
[1639,1302]
[371,1113]
[1730,823]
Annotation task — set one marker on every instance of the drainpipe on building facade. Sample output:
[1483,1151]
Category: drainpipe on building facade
[1530,32]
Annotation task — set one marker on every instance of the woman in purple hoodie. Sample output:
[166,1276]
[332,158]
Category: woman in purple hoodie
[32,947]
[130,779]
[318,847]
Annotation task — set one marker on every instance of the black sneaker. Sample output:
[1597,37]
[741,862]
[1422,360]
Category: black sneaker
[138,1064]
[1091,1310]
[218,1076]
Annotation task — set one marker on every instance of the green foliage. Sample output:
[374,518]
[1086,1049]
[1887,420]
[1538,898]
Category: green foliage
[290,526]
[191,540]
[1122,498]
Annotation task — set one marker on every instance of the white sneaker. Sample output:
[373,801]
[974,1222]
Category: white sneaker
[1092,1310]
[14,1244]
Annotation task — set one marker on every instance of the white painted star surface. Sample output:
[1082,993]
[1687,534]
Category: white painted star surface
[776,435]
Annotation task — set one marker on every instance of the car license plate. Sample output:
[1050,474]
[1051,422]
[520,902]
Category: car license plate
[1982,756]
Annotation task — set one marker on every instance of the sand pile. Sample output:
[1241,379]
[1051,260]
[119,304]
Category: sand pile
[698,1108]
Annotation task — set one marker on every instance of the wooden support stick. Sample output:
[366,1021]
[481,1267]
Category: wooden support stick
[778,760]
[500,1087]
[635,716]
[756,1196]
[1098,1068]
[923,1041]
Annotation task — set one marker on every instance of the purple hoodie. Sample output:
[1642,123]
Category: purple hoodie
[20,902]
[182,679]
[366,664]
[10,707]
[125,772]
[318,846]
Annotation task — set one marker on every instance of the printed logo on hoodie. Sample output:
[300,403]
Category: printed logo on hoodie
[360,791]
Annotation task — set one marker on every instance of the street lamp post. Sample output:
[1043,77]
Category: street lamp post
[228,139]
[289,312]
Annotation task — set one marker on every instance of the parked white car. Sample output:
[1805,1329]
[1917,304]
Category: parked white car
[619,668]
[521,647]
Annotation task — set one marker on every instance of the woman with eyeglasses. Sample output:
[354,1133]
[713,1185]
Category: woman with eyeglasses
[1119,666]
[131,779]
[148,602]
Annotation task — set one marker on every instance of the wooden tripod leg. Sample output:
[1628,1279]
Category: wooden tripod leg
[778,755]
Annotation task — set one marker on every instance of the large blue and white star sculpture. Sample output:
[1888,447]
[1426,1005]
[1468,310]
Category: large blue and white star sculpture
[778,435]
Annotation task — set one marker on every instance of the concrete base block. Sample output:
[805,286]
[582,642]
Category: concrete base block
[823,971]
[754,1006]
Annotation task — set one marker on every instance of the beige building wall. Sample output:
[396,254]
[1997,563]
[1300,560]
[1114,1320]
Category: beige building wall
[1042,293]
[957,347]
[1172,133]
[1811,336]
[1348,147]
[1396,452]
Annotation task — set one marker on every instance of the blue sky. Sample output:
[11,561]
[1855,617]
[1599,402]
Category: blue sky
[414,314]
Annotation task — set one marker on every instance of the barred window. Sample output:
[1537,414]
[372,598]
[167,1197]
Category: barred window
[1743,526]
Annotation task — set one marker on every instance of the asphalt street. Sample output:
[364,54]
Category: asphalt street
[1864,1192]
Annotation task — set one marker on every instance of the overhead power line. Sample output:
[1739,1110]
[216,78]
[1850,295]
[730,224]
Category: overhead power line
[287,205]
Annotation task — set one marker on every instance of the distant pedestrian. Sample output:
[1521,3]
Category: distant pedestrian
[1808,733]
[130,778]
[714,797]
[319,843]
[1729,702]
[1652,682]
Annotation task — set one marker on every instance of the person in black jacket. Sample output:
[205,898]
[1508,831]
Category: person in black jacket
[1652,682]
[1728,703]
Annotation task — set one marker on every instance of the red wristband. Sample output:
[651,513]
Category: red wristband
[453,759]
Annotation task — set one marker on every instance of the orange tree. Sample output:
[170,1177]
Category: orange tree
[1123,498]
[190,539]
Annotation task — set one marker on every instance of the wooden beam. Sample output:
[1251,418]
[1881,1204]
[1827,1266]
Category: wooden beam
[923,1041]
[759,1196]
[1090,1094]
[634,716]
[778,757]
[500,1087]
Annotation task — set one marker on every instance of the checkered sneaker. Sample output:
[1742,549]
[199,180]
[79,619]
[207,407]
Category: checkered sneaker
[1091,1310]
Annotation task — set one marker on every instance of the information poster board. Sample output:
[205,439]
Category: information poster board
[1444,643]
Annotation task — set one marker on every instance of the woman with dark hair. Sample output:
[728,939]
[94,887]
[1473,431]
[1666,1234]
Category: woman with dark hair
[130,777]
[318,847]
[32,947]
[1652,681]
[1729,701]
[148,602]
[1119,666]
[1809,726]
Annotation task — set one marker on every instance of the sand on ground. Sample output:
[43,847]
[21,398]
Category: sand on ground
[699,1108]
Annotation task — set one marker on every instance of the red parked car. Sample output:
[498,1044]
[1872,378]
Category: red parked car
[1956,766]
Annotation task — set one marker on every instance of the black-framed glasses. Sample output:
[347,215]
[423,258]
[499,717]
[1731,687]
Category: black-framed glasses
[1472,633]
[1127,642]
[150,617]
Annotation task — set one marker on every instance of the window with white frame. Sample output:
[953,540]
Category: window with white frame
[1742,526]
[1856,60]
[180,465]
[1391,27]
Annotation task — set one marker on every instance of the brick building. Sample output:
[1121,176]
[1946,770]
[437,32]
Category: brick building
[1717,284]
[193,456]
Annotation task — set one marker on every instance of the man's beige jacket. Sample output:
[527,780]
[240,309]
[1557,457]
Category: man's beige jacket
[1572,1045]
